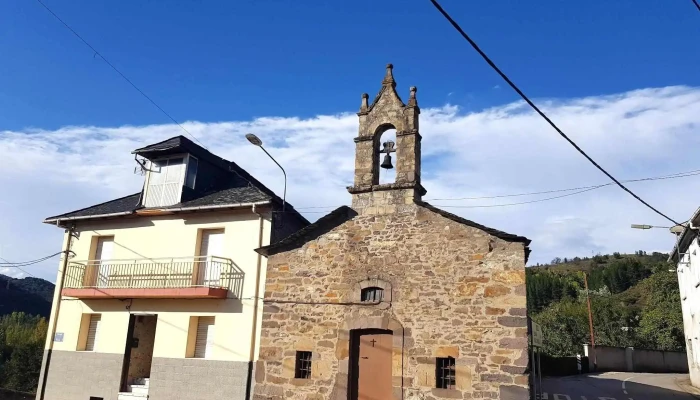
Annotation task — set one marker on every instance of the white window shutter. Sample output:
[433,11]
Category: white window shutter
[204,342]
[93,332]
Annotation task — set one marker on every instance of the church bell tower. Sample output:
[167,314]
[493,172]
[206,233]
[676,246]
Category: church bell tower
[387,111]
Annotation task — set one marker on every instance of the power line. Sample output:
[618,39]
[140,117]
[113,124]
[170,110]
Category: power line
[522,202]
[27,263]
[32,275]
[581,189]
[696,4]
[97,53]
[672,176]
[542,114]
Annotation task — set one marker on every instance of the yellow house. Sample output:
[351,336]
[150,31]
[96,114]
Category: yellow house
[161,293]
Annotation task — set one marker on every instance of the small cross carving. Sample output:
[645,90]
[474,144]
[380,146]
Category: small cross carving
[373,342]
[388,147]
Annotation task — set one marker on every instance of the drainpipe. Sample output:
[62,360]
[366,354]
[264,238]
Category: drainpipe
[54,312]
[253,336]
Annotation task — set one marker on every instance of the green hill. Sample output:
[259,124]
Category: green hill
[28,295]
[634,301]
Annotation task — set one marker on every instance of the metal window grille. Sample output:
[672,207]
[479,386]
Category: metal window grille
[372,294]
[302,370]
[445,373]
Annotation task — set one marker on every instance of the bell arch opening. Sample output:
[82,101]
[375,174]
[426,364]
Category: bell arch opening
[385,158]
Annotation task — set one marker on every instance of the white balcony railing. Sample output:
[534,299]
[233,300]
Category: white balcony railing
[155,273]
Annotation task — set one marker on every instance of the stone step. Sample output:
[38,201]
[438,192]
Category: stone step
[141,381]
[131,396]
[138,389]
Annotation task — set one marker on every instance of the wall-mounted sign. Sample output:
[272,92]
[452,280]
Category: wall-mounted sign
[537,338]
[58,337]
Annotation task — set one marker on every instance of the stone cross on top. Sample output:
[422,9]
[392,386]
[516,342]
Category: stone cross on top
[387,111]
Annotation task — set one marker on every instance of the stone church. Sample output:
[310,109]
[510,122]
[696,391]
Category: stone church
[393,298]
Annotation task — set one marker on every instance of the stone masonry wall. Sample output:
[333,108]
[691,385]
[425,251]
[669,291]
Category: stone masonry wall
[451,290]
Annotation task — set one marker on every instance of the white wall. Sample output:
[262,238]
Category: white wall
[172,236]
[688,277]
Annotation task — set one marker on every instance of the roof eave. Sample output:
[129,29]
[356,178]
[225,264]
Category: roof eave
[82,217]
[164,209]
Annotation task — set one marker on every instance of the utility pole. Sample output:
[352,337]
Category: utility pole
[590,320]
[53,319]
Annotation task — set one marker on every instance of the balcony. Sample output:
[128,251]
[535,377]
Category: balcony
[165,278]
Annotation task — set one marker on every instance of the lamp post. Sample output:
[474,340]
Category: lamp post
[254,140]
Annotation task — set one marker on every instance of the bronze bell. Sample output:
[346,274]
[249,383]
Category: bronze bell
[386,164]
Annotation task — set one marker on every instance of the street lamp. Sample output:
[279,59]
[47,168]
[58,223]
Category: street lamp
[676,229]
[254,140]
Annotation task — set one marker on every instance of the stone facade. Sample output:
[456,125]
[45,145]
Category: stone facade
[451,287]
[454,291]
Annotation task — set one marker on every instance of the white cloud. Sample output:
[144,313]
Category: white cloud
[501,150]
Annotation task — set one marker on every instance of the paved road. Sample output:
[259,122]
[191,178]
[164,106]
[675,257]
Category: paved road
[616,386]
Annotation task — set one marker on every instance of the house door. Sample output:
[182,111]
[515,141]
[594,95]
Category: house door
[97,272]
[138,354]
[372,367]
[212,245]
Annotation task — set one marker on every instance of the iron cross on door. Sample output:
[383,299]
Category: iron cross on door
[388,149]
[373,342]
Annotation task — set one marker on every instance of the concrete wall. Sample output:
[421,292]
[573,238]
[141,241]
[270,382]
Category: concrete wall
[635,360]
[659,361]
[688,277]
[606,358]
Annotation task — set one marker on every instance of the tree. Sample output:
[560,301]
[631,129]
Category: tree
[661,324]
[21,350]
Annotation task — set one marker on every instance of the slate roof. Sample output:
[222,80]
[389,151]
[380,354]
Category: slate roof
[236,195]
[121,205]
[344,213]
[236,187]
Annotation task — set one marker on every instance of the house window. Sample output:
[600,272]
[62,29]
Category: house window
[165,180]
[191,177]
[93,332]
[302,369]
[204,342]
[372,294]
[445,373]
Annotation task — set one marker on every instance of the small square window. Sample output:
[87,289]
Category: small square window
[372,294]
[302,369]
[445,373]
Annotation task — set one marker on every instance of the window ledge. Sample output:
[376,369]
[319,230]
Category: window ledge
[447,393]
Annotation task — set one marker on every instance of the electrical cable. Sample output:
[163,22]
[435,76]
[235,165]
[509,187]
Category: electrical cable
[581,189]
[542,114]
[30,274]
[672,176]
[97,53]
[27,263]
[696,4]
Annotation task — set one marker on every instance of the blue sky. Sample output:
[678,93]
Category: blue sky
[619,77]
[215,60]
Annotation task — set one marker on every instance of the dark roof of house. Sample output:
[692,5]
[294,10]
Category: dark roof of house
[131,203]
[342,214]
[120,205]
[241,188]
